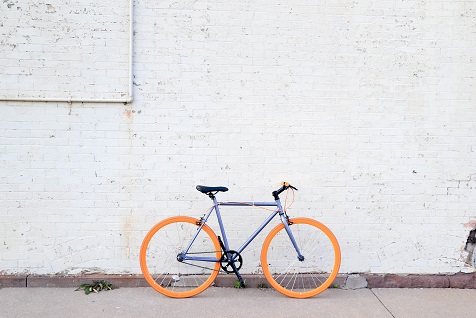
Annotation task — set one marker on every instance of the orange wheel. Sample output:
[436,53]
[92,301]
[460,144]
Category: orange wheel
[306,278]
[160,263]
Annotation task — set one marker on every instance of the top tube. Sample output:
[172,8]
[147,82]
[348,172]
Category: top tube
[248,203]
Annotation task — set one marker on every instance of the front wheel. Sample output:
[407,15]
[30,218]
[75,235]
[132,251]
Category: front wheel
[301,278]
[164,268]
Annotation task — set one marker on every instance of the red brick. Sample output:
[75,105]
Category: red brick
[462,280]
[75,281]
[12,281]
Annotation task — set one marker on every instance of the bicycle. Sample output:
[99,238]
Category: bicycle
[181,256]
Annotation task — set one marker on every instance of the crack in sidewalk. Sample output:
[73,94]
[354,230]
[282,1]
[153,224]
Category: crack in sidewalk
[388,310]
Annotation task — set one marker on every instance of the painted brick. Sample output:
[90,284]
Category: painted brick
[48,54]
[366,107]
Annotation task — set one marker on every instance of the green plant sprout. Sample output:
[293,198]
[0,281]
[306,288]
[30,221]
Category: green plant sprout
[95,287]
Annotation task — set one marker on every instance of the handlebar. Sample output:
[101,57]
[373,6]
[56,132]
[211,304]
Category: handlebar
[285,186]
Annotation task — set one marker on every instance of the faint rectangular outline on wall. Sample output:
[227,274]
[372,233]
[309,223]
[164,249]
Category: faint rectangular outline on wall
[128,99]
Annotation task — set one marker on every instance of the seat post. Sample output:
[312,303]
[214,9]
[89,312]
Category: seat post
[211,195]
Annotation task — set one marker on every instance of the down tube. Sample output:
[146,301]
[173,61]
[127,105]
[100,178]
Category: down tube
[262,226]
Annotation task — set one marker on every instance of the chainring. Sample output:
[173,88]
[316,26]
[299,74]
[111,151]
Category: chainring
[226,264]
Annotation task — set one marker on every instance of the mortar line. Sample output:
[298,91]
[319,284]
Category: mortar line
[388,310]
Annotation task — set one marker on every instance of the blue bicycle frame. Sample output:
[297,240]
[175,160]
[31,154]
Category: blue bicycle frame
[279,210]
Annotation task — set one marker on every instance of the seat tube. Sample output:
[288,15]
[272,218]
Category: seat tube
[220,223]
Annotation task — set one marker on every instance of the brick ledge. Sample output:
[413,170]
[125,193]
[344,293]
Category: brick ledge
[458,280]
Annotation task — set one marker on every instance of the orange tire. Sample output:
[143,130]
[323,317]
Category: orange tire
[306,278]
[159,257]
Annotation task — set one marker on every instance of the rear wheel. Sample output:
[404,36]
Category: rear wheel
[161,262]
[301,278]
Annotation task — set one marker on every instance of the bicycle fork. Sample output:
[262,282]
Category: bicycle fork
[287,223]
[287,226]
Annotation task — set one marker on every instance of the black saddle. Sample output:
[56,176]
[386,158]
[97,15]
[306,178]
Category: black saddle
[206,190]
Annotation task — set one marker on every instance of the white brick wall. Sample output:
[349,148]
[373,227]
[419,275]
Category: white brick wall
[57,49]
[367,107]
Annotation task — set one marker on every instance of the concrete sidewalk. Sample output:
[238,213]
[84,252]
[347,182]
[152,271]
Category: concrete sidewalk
[230,302]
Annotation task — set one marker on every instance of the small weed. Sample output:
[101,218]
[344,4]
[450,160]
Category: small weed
[262,285]
[237,284]
[335,286]
[95,287]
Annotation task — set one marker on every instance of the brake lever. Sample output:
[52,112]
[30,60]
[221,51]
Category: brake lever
[293,187]
[287,185]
